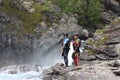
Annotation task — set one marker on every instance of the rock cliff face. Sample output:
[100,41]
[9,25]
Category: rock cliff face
[19,43]
[24,35]
[11,42]
[104,44]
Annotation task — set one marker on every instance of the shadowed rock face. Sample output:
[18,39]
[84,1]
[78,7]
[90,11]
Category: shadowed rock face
[113,5]
[112,10]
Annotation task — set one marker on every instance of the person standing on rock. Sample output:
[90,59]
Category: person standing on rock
[76,45]
[65,48]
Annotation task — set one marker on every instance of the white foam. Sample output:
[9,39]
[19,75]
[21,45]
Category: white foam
[21,76]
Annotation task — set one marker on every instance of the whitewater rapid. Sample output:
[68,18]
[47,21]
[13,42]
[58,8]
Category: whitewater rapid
[32,75]
[22,72]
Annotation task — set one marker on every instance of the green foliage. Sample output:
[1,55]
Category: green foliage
[88,10]
[90,41]
[100,38]
[67,6]
[47,6]
[90,52]
[100,31]
[30,19]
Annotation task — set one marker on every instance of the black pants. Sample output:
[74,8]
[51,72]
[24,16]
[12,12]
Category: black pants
[65,55]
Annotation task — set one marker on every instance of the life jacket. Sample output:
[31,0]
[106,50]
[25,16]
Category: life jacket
[76,44]
[66,43]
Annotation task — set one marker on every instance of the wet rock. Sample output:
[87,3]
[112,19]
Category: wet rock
[4,18]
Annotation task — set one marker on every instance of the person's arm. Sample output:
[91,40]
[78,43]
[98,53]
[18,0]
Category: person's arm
[62,51]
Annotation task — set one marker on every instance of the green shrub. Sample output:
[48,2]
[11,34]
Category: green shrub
[30,20]
[88,10]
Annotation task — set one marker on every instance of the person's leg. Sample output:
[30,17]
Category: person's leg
[65,58]
[76,59]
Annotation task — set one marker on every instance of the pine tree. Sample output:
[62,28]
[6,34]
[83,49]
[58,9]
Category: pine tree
[88,10]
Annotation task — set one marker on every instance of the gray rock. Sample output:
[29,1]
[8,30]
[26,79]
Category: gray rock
[102,56]
[117,49]
[4,18]
[87,57]
[57,8]
[113,5]
[40,1]
[117,72]
[97,71]
[14,69]
[107,17]
[114,63]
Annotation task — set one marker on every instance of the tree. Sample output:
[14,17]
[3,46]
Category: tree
[88,10]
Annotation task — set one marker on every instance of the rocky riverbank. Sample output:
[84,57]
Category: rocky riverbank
[95,70]
[90,70]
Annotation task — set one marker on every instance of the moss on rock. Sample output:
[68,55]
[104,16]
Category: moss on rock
[29,19]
